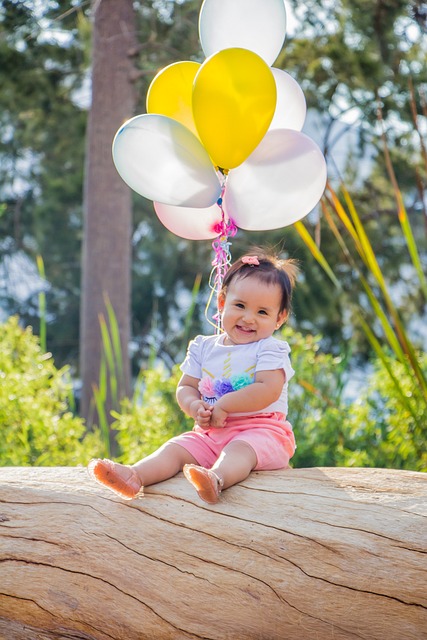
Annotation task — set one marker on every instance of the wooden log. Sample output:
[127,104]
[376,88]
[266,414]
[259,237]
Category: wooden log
[306,553]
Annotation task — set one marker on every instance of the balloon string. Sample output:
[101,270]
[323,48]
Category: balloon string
[226,228]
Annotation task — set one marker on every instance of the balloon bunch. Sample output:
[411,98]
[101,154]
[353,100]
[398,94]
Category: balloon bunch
[221,146]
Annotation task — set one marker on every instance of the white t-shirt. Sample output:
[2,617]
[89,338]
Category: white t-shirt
[222,368]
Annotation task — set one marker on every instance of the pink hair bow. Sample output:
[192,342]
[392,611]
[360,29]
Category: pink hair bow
[252,260]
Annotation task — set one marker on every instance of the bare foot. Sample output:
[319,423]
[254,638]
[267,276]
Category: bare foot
[120,478]
[206,482]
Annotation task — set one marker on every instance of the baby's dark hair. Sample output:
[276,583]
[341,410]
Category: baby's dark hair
[270,269]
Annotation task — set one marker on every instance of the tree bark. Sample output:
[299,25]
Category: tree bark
[107,199]
[310,553]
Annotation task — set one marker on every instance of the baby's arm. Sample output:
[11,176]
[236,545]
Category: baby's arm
[188,398]
[266,389]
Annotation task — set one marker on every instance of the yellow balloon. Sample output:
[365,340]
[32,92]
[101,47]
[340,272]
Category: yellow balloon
[170,93]
[234,99]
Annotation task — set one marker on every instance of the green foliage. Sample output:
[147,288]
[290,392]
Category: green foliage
[316,406]
[374,430]
[152,417]
[381,431]
[111,386]
[37,427]
[351,53]
[42,129]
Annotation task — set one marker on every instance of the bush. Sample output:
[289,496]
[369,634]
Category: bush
[317,410]
[37,427]
[152,417]
[382,430]
[375,430]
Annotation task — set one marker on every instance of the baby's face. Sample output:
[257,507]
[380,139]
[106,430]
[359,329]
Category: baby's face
[250,310]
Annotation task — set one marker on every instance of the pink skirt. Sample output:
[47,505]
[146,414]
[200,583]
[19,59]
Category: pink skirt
[269,434]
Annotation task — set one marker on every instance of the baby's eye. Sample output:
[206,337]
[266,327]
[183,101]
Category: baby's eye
[239,305]
[263,313]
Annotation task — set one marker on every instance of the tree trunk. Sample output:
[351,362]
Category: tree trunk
[107,199]
[313,554]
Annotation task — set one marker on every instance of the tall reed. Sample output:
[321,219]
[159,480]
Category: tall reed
[342,218]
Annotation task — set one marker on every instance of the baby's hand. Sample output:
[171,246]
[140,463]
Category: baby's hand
[218,417]
[201,411]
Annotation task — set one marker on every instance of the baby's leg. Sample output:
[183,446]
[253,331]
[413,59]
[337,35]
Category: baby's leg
[234,464]
[126,480]
[164,463]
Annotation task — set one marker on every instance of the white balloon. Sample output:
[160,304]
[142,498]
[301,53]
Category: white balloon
[291,107]
[189,223]
[257,25]
[162,160]
[278,184]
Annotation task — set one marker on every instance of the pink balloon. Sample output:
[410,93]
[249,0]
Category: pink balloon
[278,184]
[189,223]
